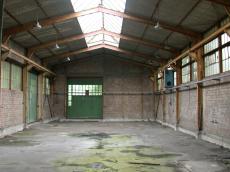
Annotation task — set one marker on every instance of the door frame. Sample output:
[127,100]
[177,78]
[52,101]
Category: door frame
[28,102]
[83,77]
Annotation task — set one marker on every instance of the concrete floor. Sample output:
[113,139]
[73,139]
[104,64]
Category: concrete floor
[108,147]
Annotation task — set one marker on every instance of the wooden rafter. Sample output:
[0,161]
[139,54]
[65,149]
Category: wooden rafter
[221,2]
[72,53]
[29,61]
[58,19]
[84,50]
[227,31]
[130,53]
[224,28]
[227,10]
[121,36]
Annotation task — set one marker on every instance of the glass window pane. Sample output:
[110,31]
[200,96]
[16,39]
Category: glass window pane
[212,64]
[211,46]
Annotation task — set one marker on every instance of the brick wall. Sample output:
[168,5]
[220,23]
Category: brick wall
[170,108]
[11,112]
[127,88]
[216,112]
[216,108]
[188,109]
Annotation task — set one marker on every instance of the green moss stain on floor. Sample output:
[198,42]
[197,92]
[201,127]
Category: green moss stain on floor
[117,153]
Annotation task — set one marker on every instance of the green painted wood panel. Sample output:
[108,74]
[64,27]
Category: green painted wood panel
[85,99]
[32,96]
[5,75]
[16,77]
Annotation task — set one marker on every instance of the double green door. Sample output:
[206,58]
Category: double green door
[84,98]
[32,97]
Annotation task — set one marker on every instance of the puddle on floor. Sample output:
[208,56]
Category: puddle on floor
[118,153]
[22,138]
[14,141]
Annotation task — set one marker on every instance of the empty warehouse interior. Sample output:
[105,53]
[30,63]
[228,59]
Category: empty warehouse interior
[115,86]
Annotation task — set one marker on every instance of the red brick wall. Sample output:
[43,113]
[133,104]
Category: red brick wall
[11,111]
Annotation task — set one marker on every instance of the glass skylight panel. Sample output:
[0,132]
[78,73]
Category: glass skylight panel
[97,21]
[91,22]
[111,40]
[94,40]
[113,23]
[81,5]
[117,5]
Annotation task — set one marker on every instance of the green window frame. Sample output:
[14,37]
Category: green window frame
[5,75]
[83,90]
[16,77]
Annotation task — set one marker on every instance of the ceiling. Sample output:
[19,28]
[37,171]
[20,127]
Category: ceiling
[197,16]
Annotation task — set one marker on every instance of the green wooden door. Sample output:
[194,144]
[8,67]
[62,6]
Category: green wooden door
[85,98]
[32,96]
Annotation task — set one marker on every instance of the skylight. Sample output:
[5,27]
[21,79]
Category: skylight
[99,20]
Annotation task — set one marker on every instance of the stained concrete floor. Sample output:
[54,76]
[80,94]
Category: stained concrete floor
[108,147]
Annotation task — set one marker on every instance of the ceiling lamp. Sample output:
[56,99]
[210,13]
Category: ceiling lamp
[68,58]
[37,25]
[157,16]
[57,46]
[157,25]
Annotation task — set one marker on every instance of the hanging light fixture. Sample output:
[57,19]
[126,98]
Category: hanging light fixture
[57,46]
[157,23]
[37,24]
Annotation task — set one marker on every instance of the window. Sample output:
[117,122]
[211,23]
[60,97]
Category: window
[46,86]
[11,76]
[212,57]
[5,75]
[212,64]
[98,20]
[160,81]
[225,42]
[189,70]
[83,90]
[186,69]
[16,77]
[175,79]
[194,71]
